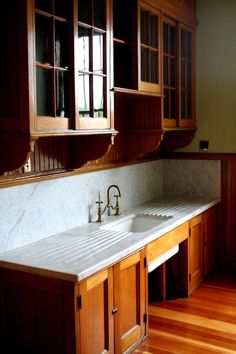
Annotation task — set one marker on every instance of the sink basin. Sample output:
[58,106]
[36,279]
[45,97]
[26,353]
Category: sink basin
[136,223]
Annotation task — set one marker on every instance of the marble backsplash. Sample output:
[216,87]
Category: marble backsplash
[192,177]
[35,211]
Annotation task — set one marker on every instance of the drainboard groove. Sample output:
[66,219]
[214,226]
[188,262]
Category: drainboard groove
[83,247]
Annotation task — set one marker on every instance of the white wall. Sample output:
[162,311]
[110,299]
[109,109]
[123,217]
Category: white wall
[216,76]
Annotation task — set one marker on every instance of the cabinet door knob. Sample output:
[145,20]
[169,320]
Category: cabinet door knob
[114,310]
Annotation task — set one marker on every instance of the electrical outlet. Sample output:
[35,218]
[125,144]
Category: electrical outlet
[27,166]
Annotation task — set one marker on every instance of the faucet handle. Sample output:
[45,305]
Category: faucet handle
[117,206]
[100,212]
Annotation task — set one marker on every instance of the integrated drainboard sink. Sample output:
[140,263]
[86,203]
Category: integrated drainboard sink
[136,223]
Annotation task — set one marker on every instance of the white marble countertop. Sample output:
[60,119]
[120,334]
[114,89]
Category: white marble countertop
[76,254]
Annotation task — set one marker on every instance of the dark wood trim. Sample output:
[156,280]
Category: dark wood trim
[199,156]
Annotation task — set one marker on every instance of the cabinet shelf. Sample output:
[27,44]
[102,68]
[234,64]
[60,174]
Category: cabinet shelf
[128,91]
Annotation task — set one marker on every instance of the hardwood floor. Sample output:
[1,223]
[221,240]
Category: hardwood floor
[204,323]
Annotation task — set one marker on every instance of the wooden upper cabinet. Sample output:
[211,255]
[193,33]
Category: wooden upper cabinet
[178,75]
[72,65]
[52,25]
[149,49]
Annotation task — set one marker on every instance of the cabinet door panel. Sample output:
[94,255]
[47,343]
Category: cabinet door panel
[96,322]
[209,239]
[195,252]
[129,298]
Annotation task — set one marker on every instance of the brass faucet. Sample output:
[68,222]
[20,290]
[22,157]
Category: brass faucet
[109,206]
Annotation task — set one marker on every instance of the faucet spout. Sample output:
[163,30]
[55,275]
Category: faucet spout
[109,205]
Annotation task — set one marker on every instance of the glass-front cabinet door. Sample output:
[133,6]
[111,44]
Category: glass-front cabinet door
[72,67]
[186,69]
[149,54]
[53,64]
[92,51]
[170,79]
[178,71]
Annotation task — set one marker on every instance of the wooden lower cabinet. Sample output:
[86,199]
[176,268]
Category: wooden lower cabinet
[105,313]
[130,302]
[209,240]
[112,318]
[195,252]
[95,314]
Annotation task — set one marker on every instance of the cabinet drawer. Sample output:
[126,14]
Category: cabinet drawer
[167,241]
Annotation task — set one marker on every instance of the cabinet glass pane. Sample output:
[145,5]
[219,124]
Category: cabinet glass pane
[61,48]
[99,12]
[166,103]
[183,51]
[166,80]
[62,109]
[144,66]
[98,95]
[98,51]
[172,72]
[189,81]
[153,31]
[83,90]
[44,5]
[189,45]
[144,27]
[173,40]
[83,11]
[44,97]
[183,85]
[165,38]
[173,104]
[189,105]
[154,66]
[183,101]
[43,39]
[83,49]
[61,8]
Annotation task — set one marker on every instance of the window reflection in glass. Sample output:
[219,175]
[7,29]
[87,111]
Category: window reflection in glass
[61,44]
[43,39]
[61,94]
[44,98]
[98,52]
[98,96]
[83,89]
[83,49]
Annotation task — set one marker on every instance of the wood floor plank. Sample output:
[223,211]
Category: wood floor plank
[204,323]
